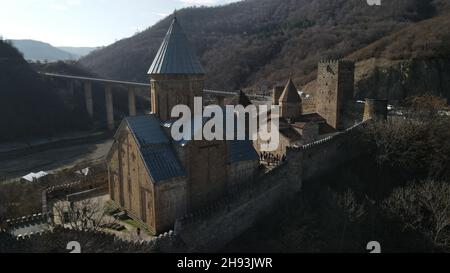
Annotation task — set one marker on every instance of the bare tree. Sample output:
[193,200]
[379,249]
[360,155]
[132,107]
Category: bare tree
[85,215]
[426,106]
[425,208]
[418,146]
[349,213]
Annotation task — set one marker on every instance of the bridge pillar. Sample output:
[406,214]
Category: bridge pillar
[132,101]
[109,107]
[71,87]
[221,100]
[88,97]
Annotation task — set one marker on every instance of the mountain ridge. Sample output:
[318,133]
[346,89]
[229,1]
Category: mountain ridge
[256,44]
[34,50]
[78,52]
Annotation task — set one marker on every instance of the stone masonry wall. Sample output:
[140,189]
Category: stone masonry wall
[212,228]
[319,157]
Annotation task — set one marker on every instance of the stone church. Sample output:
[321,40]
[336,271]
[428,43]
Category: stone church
[157,179]
[335,88]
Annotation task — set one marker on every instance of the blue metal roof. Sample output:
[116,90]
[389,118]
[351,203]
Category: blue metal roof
[160,157]
[175,56]
[154,145]
[162,162]
[147,130]
[241,150]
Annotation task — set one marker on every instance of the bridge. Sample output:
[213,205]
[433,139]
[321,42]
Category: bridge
[131,86]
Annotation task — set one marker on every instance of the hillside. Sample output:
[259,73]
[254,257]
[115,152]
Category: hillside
[77,52]
[425,39]
[414,60]
[32,106]
[260,42]
[39,51]
[29,105]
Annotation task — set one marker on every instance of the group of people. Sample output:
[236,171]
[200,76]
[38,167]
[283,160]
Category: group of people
[271,159]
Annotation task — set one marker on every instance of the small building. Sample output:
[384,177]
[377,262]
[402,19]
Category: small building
[295,127]
[32,177]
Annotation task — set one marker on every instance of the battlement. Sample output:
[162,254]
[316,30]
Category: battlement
[63,187]
[32,236]
[101,241]
[336,62]
[329,61]
[26,221]
[327,139]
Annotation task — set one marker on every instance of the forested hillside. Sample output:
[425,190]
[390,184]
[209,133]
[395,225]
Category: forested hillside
[260,42]
[412,61]
[30,106]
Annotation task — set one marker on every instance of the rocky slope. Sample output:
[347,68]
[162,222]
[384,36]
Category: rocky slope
[412,61]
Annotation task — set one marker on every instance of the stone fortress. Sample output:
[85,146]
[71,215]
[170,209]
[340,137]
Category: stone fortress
[208,192]
[305,119]
[197,196]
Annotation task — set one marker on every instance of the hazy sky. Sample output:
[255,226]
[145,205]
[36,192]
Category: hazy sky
[85,22]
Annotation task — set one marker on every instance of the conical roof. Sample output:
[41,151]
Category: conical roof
[290,93]
[175,56]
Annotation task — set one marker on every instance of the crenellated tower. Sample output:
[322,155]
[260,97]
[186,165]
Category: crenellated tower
[335,87]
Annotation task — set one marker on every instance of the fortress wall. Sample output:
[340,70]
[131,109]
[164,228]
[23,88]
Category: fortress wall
[56,240]
[308,105]
[214,227]
[319,157]
[93,241]
[210,229]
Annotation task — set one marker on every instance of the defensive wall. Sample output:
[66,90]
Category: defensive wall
[211,228]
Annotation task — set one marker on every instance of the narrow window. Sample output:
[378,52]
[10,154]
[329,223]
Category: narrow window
[143,205]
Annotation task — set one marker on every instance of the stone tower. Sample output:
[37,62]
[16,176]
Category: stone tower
[335,87]
[376,109]
[290,102]
[276,94]
[176,75]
